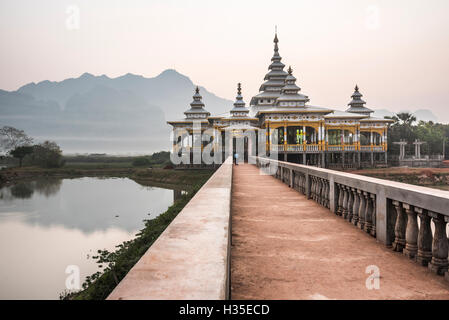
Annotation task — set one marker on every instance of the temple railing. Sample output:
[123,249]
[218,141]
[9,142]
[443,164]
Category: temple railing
[334,148]
[386,210]
[371,148]
[317,147]
[295,147]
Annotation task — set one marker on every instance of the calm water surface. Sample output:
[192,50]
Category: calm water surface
[47,225]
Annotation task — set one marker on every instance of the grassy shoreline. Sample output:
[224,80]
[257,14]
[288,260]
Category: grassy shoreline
[171,178]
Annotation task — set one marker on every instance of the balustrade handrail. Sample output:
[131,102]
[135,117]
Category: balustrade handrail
[384,209]
[436,200]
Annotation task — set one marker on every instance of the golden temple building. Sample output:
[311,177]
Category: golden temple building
[294,130]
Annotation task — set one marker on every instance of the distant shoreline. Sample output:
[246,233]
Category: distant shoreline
[170,178]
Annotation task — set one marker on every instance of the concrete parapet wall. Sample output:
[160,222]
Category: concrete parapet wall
[191,258]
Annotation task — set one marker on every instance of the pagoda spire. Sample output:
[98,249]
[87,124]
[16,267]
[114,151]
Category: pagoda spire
[290,95]
[276,67]
[197,109]
[239,109]
[274,80]
[357,105]
[356,98]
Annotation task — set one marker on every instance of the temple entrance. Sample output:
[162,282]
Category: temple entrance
[236,143]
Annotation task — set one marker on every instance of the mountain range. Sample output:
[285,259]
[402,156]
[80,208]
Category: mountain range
[120,115]
[101,114]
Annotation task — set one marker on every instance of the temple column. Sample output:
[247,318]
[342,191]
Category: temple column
[285,142]
[267,139]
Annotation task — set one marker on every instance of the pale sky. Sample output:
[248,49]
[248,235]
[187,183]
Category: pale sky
[396,51]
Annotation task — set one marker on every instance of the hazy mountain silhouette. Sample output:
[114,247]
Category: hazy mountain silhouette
[420,114]
[97,113]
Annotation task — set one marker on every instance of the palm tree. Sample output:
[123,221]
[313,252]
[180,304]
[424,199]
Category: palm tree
[406,118]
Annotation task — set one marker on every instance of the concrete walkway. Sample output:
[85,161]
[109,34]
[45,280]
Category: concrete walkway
[287,247]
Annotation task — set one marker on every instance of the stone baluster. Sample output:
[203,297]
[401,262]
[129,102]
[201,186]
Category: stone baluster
[424,255]
[368,212]
[293,179]
[411,232]
[313,188]
[439,263]
[374,215]
[350,204]
[362,209]
[340,200]
[327,194]
[321,189]
[303,184]
[355,208]
[323,192]
[344,211]
[318,190]
[399,228]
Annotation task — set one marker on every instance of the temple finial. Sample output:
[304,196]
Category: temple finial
[290,70]
[275,35]
[239,88]
[197,90]
[356,88]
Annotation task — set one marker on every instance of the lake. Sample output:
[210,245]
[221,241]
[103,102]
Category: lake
[52,226]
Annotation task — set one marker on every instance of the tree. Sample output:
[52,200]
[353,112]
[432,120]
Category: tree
[405,118]
[402,128]
[21,152]
[141,161]
[11,138]
[47,154]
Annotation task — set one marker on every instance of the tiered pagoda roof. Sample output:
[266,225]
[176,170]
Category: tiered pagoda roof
[275,78]
[239,109]
[357,105]
[289,93]
[197,110]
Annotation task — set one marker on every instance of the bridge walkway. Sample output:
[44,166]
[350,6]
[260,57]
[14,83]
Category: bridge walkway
[287,247]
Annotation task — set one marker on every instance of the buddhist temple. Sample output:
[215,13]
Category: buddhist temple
[294,130]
